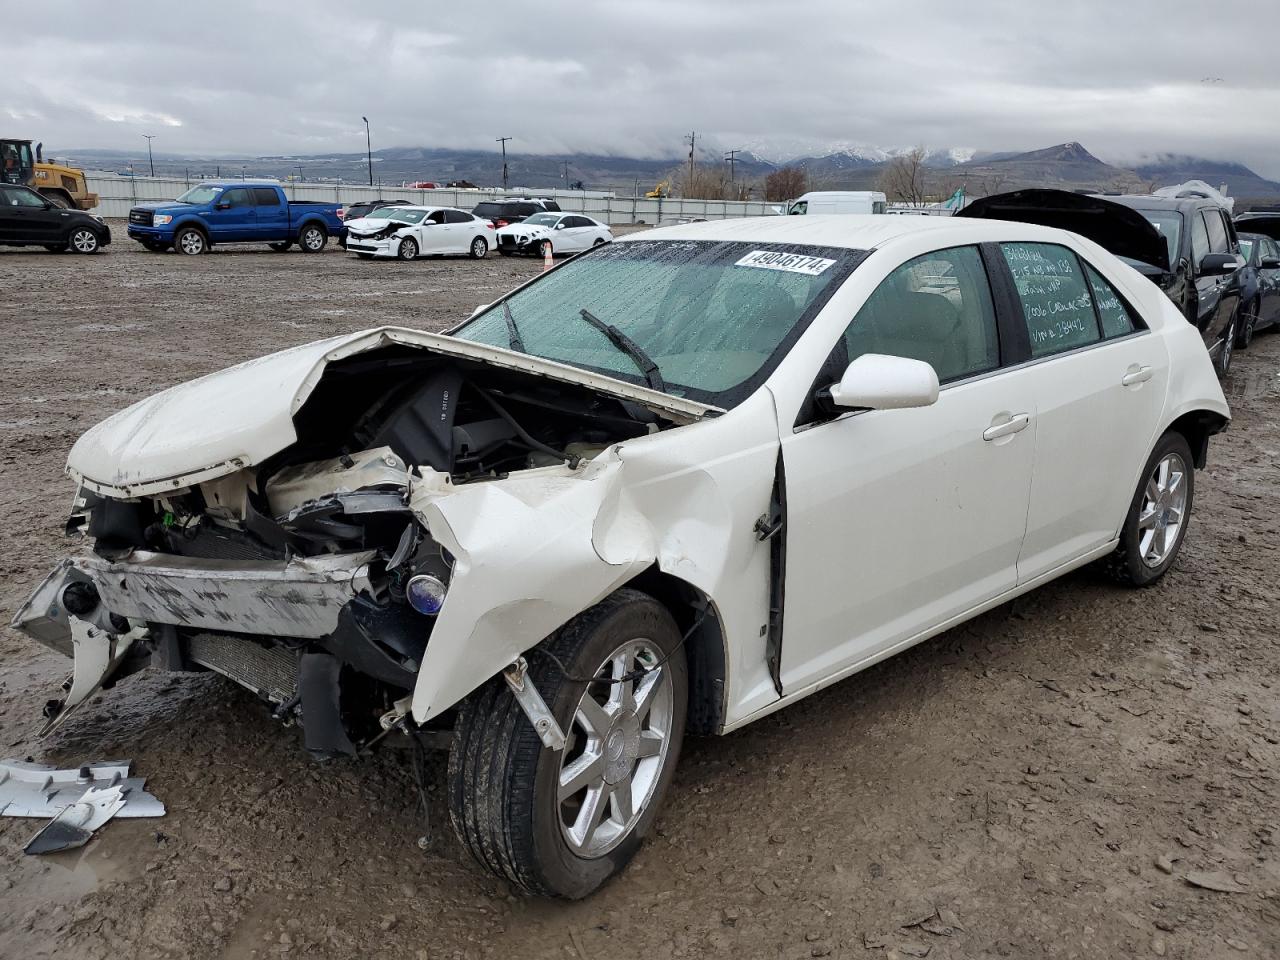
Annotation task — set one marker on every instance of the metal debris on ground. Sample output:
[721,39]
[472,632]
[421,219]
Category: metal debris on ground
[78,800]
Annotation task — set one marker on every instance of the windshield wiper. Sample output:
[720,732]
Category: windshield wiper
[513,334]
[630,348]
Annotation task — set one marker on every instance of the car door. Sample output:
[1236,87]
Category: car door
[1100,380]
[433,233]
[271,214]
[578,231]
[232,218]
[462,230]
[900,520]
[1217,295]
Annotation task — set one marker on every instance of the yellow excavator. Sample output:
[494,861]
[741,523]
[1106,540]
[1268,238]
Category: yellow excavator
[64,185]
[663,189]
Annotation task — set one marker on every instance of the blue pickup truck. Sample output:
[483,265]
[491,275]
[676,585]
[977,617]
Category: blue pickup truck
[235,212]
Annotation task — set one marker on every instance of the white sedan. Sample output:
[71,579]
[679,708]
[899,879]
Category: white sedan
[672,486]
[558,232]
[411,232]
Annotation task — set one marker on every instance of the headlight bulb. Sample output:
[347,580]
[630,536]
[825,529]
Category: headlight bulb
[425,594]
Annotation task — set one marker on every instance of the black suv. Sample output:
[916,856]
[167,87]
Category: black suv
[1187,246]
[512,210]
[1204,263]
[28,219]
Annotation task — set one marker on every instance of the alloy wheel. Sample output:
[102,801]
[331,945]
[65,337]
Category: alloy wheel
[85,241]
[1164,506]
[617,747]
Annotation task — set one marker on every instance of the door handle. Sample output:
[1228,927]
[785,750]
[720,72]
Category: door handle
[1013,425]
[1136,375]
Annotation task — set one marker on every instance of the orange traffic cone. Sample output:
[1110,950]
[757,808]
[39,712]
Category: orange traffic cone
[546,256]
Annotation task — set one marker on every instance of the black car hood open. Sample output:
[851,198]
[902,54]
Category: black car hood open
[1267,224]
[1118,229]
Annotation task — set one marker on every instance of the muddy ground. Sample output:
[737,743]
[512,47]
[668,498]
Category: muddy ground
[1038,782]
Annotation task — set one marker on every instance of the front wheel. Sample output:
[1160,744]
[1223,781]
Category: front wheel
[1156,523]
[561,823]
[479,247]
[190,241]
[312,238]
[1223,363]
[1245,336]
[84,240]
[408,249]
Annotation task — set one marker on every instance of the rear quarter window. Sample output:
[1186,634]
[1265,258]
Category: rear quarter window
[1114,314]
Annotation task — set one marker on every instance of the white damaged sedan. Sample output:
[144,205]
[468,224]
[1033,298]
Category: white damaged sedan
[554,233]
[407,233]
[670,486]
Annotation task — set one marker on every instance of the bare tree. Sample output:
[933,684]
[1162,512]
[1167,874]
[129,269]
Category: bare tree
[992,182]
[904,178]
[785,184]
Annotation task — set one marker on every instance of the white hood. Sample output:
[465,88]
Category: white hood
[534,231]
[238,417]
[372,224]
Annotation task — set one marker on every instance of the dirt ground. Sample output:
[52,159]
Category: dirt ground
[1036,783]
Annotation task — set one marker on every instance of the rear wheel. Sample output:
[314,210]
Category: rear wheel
[190,241]
[408,249]
[281,246]
[479,247]
[1156,524]
[561,823]
[312,238]
[84,240]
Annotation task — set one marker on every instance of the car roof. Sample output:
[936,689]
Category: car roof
[850,231]
[1146,202]
[236,183]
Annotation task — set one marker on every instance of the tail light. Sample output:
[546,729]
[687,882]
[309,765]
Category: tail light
[342,214]
[501,223]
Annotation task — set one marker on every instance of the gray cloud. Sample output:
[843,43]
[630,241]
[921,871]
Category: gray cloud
[632,78]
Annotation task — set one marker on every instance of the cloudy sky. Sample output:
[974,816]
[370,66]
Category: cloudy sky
[632,77]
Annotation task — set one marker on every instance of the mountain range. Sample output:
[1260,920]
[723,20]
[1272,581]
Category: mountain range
[1068,166]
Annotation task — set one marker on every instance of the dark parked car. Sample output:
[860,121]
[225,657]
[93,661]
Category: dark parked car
[512,210]
[1259,281]
[28,219]
[1197,264]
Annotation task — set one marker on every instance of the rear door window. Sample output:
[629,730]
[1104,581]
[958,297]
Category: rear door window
[1056,301]
[266,197]
[457,216]
[936,308]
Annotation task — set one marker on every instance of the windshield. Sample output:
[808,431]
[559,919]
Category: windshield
[1170,227]
[543,219]
[200,195]
[397,214]
[715,318]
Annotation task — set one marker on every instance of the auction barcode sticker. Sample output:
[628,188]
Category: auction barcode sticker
[790,262]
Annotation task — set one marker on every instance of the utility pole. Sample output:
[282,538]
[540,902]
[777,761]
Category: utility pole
[150,158]
[368,146]
[300,176]
[732,157]
[503,141]
[691,139]
[566,174]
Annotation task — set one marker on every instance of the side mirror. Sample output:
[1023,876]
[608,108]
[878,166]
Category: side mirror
[878,382]
[1270,263]
[559,226]
[1217,264]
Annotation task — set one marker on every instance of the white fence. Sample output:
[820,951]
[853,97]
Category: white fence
[118,194]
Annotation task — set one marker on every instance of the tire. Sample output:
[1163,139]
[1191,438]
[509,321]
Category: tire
[282,246]
[1245,335]
[408,249]
[504,785]
[598,242]
[479,248]
[544,247]
[83,240]
[312,238]
[1139,559]
[56,247]
[1223,361]
[190,241]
